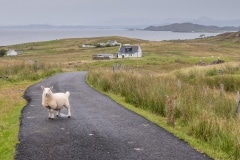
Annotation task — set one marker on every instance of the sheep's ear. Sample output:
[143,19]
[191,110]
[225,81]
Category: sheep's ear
[42,87]
[51,87]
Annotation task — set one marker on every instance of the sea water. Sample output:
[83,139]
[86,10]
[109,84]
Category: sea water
[17,36]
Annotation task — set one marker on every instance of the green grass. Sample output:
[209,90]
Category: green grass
[11,104]
[9,129]
[202,116]
[178,131]
[19,77]
[204,113]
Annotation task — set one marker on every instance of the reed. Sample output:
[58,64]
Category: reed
[205,114]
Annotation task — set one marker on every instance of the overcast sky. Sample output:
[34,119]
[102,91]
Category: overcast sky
[113,12]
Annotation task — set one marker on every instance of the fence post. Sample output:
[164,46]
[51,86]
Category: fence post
[179,84]
[238,103]
[222,89]
[113,68]
[35,66]
[204,90]
[170,110]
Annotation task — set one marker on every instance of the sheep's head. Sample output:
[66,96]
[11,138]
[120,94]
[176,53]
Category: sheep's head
[47,91]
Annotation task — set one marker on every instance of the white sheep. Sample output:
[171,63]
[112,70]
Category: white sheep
[55,101]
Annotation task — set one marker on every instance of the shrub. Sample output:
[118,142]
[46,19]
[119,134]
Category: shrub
[2,52]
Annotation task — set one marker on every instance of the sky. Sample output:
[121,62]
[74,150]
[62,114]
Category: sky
[110,12]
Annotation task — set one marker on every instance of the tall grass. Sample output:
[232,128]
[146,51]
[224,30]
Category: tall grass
[198,97]
[14,79]
[27,71]
[213,76]
[11,104]
[205,114]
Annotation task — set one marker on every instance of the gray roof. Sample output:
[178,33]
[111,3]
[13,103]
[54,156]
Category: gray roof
[128,49]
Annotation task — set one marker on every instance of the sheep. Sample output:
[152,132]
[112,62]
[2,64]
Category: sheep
[55,101]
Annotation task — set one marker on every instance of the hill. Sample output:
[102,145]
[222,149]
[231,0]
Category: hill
[190,27]
[233,37]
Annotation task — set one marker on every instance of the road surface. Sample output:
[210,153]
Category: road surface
[99,129]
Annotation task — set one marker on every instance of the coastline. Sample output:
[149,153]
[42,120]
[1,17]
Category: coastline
[18,35]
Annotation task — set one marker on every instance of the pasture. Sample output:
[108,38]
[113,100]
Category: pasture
[176,84]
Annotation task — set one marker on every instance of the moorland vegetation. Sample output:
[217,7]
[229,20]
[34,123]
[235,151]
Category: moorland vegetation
[197,103]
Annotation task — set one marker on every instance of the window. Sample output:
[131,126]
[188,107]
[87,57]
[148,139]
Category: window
[128,49]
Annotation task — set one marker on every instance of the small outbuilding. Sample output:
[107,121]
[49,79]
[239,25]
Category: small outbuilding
[130,51]
[113,43]
[88,46]
[103,56]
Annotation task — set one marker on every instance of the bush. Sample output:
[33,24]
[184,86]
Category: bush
[2,52]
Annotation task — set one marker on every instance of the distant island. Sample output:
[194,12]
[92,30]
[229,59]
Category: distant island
[190,27]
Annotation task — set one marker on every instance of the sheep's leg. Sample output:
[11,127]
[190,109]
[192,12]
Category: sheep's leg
[69,110]
[58,112]
[51,114]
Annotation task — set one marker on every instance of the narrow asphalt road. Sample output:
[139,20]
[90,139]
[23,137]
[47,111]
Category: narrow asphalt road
[99,129]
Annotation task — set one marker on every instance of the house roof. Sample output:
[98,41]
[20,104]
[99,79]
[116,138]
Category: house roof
[128,49]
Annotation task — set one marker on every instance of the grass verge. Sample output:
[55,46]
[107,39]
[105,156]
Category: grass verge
[202,117]
[179,132]
[12,103]
[13,83]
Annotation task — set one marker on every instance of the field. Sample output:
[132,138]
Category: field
[189,87]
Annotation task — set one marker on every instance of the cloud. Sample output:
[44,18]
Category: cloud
[80,12]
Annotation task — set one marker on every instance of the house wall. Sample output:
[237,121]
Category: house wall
[139,52]
[124,55]
[128,55]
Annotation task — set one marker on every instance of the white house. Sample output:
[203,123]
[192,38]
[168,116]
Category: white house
[102,44]
[11,52]
[126,51]
[113,43]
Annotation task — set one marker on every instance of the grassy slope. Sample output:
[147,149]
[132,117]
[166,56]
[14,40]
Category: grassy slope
[159,58]
[11,103]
